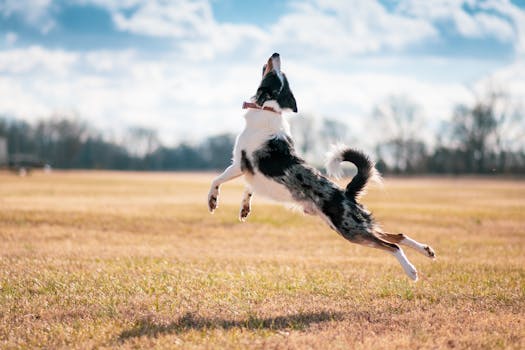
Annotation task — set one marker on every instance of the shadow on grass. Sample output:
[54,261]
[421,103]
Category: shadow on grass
[189,321]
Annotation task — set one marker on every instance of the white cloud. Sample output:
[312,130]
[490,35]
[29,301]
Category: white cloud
[510,79]
[17,101]
[350,97]
[185,97]
[34,12]
[473,24]
[516,15]
[494,26]
[344,28]
[11,38]
[332,27]
[118,89]
[328,27]
[108,61]
[178,19]
[224,39]
[36,59]
[190,23]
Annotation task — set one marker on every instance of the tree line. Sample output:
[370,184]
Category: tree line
[487,137]
[70,143]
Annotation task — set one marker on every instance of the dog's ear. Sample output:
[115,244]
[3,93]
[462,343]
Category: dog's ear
[286,98]
[263,70]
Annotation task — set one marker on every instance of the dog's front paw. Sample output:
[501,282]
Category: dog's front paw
[213,196]
[245,211]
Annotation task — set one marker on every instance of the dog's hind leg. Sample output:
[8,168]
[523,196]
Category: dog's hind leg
[374,242]
[403,239]
[230,173]
[245,204]
[410,270]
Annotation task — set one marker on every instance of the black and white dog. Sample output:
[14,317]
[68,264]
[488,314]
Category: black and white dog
[264,153]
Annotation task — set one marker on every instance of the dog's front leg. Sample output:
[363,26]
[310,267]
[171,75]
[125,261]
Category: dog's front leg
[245,204]
[231,172]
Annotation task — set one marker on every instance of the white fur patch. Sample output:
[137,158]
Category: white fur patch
[333,160]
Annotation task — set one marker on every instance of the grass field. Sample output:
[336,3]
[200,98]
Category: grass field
[130,260]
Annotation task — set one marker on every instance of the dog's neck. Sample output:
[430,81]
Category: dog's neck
[266,121]
[254,105]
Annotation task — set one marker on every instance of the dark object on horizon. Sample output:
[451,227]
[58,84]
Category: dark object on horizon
[21,163]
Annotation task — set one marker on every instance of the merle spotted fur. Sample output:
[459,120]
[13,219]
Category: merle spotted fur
[277,160]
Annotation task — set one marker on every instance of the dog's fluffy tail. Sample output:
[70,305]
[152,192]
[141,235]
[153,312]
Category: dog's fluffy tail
[365,168]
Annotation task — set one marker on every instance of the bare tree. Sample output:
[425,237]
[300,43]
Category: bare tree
[217,150]
[303,130]
[400,121]
[489,131]
[314,136]
[61,135]
[509,134]
[472,129]
[141,141]
[333,131]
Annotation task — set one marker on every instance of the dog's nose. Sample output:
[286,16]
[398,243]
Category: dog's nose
[275,55]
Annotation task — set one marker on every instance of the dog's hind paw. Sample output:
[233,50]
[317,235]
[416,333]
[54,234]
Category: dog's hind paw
[430,252]
[411,272]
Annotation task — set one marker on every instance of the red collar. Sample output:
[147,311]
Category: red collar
[247,105]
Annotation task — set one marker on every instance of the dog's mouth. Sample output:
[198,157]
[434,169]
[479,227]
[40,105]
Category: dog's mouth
[274,63]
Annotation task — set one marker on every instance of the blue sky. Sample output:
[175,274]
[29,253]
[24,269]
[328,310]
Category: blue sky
[184,67]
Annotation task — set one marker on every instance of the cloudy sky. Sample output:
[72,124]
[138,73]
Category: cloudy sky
[185,67]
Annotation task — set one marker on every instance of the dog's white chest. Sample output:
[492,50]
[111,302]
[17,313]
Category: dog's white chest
[260,127]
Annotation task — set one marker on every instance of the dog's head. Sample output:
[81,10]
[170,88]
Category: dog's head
[274,86]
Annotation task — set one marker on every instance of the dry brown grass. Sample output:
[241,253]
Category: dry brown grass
[131,260]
